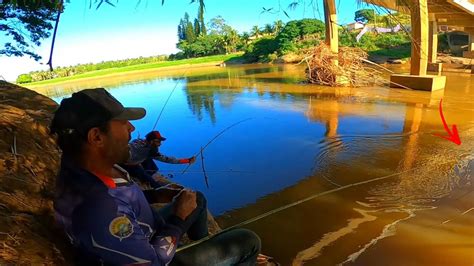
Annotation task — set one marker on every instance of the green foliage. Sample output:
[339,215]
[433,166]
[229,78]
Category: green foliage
[24,78]
[296,31]
[365,15]
[84,68]
[215,58]
[187,31]
[443,45]
[26,24]
[221,39]
[396,45]
[261,49]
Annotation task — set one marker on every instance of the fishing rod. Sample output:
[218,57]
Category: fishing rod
[206,178]
[169,96]
[212,171]
[287,206]
[214,138]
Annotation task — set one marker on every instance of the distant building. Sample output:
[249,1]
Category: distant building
[355,25]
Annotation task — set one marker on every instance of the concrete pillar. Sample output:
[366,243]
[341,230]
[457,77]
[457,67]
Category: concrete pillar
[470,47]
[433,66]
[420,28]
[418,79]
[330,18]
[433,40]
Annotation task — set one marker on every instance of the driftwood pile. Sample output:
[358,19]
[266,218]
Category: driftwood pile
[350,69]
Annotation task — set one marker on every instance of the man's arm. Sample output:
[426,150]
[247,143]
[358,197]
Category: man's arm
[168,159]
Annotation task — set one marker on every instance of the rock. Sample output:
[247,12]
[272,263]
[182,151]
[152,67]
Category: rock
[396,61]
[289,58]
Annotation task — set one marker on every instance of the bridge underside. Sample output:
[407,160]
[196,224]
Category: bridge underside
[426,16]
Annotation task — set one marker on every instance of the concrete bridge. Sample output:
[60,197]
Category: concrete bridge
[426,16]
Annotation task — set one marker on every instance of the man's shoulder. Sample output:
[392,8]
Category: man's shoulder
[139,142]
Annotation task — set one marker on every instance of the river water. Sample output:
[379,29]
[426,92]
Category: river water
[312,147]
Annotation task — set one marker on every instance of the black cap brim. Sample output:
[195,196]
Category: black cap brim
[131,113]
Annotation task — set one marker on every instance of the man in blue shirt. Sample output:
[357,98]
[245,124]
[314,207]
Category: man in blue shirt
[108,217]
[142,153]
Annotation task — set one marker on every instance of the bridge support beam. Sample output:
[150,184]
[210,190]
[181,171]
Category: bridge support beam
[418,79]
[433,65]
[332,35]
[470,47]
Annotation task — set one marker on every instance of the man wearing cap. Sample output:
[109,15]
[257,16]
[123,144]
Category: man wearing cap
[106,216]
[145,151]
[142,154]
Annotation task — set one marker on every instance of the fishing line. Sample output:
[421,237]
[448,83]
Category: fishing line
[215,137]
[327,192]
[169,96]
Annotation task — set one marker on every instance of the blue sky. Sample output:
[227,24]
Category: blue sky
[136,28]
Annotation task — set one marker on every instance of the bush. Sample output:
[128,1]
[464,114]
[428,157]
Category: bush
[24,78]
[260,49]
[83,68]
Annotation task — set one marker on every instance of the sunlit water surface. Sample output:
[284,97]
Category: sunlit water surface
[295,141]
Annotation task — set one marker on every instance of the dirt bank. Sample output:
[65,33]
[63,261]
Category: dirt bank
[28,163]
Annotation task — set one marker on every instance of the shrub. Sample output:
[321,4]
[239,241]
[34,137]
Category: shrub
[24,78]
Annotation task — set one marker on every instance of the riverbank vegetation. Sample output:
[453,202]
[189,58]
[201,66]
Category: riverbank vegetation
[270,43]
[116,70]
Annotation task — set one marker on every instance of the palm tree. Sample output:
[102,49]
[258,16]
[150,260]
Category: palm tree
[278,26]
[268,29]
[245,37]
[255,31]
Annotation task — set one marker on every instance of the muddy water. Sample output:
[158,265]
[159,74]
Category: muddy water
[416,207]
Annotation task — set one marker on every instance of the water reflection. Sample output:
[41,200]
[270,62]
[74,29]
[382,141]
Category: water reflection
[306,139]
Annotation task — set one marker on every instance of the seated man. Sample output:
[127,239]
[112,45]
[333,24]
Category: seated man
[106,216]
[145,151]
[141,164]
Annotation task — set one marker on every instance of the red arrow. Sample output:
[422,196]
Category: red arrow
[453,136]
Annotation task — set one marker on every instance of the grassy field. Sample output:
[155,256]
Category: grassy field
[111,71]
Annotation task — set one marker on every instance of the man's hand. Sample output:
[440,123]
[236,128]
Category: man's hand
[192,160]
[161,194]
[184,203]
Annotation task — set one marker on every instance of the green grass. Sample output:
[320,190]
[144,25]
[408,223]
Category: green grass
[200,60]
[399,52]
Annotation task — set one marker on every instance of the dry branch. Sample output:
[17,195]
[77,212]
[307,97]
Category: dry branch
[349,70]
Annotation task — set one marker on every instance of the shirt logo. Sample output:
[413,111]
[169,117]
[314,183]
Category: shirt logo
[121,227]
[169,244]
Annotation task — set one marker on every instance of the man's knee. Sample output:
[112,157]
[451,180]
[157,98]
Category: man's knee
[250,238]
[201,200]
[248,241]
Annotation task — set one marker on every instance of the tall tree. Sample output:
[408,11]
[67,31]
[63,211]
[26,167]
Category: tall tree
[56,24]
[181,30]
[190,35]
[255,31]
[197,27]
[365,15]
[268,29]
[201,16]
[26,23]
[278,26]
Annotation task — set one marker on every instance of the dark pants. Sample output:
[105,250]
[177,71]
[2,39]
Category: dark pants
[196,223]
[234,247]
[150,166]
